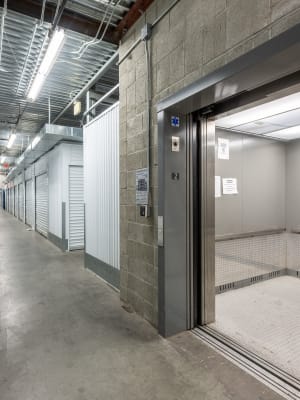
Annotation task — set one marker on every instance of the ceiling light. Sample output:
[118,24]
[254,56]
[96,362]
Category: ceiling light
[262,111]
[35,141]
[52,52]
[11,140]
[287,133]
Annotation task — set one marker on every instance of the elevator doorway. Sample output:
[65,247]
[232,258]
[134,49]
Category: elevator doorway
[254,234]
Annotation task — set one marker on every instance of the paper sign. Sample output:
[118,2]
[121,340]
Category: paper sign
[217,186]
[230,186]
[141,182]
[223,149]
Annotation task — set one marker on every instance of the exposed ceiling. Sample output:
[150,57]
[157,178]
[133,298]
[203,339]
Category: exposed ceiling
[278,119]
[93,29]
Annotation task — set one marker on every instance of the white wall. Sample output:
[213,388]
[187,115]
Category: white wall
[101,180]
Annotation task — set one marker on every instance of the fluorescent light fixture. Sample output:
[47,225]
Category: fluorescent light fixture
[52,52]
[11,140]
[287,133]
[262,111]
[35,141]
[77,107]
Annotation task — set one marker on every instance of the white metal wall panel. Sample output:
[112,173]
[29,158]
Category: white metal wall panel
[101,176]
[76,208]
[41,204]
[29,173]
[76,154]
[29,203]
[41,166]
[21,201]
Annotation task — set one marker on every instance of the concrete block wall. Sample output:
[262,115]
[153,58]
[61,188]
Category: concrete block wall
[193,39]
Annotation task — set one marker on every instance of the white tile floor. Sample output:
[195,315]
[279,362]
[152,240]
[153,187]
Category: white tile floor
[265,318]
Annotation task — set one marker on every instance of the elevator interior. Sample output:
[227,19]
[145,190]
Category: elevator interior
[257,230]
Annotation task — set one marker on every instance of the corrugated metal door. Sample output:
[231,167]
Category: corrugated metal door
[21,201]
[16,202]
[12,201]
[29,202]
[76,208]
[41,204]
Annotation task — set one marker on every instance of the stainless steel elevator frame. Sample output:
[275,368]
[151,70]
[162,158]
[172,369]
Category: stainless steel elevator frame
[186,178]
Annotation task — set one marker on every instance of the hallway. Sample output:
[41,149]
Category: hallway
[64,336]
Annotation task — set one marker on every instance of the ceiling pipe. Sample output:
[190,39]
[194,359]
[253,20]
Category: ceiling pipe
[108,94]
[58,16]
[90,83]
[43,12]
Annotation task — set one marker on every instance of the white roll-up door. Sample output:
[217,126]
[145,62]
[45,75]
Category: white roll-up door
[29,202]
[21,201]
[12,201]
[41,204]
[76,208]
[16,211]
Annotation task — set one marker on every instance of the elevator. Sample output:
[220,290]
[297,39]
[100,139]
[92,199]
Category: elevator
[194,247]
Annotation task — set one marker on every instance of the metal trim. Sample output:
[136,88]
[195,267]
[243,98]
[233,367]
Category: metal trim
[105,271]
[60,243]
[269,374]
[207,220]
[223,238]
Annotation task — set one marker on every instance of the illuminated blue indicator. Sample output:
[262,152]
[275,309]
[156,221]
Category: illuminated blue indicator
[175,121]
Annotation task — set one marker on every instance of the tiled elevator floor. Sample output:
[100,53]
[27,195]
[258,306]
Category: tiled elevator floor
[265,318]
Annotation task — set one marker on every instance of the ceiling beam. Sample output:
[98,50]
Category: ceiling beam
[78,22]
[129,19]
[68,19]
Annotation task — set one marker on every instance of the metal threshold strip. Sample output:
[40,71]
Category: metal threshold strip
[280,381]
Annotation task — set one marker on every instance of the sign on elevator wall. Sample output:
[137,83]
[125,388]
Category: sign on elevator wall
[229,186]
[175,121]
[223,149]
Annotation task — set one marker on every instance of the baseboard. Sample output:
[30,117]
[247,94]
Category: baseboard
[105,271]
[60,243]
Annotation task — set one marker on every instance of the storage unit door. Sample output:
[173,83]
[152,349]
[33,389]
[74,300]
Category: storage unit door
[16,202]
[76,208]
[11,209]
[21,201]
[29,203]
[41,204]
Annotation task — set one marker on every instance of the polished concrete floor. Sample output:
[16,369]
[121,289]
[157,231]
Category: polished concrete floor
[264,318]
[64,336]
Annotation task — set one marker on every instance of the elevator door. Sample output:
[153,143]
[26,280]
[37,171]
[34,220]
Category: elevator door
[76,208]
[41,205]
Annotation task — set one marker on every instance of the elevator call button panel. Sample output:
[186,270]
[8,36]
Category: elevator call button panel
[175,143]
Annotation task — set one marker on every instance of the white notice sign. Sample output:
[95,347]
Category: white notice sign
[141,182]
[230,186]
[223,149]
[217,186]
